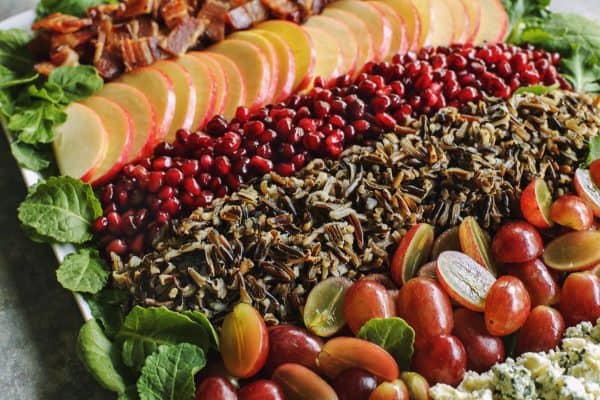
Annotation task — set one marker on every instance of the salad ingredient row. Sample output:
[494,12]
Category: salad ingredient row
[198,167]
[342,217]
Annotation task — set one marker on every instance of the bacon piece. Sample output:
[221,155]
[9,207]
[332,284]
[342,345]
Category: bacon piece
[213,14]
[173,12]
[183,36]
[135,8]
[284,9]
[246,15]
[73,40]
[109,65]
[64,56]
[44,68]
[140,52]
[61,23]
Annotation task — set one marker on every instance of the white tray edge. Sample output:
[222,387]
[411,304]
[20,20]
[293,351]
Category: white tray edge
[23,21]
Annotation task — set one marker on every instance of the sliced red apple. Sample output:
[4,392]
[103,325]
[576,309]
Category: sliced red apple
[158,88]
[466,281]
[302,48]
[473,8]
[425,10]
[119,127]
[205,86]
[221,83]
[412,18]
[185,94]
[376,21]
[142,114]
[286,63]
[399,42]
[329,61]
[346,40]
[80,143]
[361,34]
[254,68]
[412,253]
[494,22]
[460,17]
[441,26]
[269,51]
[587,190]
[235,91]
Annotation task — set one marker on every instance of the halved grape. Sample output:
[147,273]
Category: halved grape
[475,243]
[324,308]
[573,251]
[414,251]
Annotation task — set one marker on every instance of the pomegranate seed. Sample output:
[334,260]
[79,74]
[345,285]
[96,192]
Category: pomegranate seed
[307,124]
[241,166]
[205,198]
[204,179]
[162,163]
[222,165]
[128,225]
[242,114]
[111,207]
[233,181]
[468,94]
[285,169]
[385,120]
[171,206]
[287,151]
[367,88]
[100,224]
[182,135]
[321,108]
[116,246]
[261,164]
[398,88]
[164,149]
[531,77]
[122,198]
[187,200]
[173,177]
[166,192]
[216,126]
[457,61]
[299,160]
[162,217]
[267,136]
[114,222]
[141,216]
[107,193]
[313,141]
[264,150]
[215,183]
[155,181]
[356,109]
[191,186]
[190,167]
[137,244]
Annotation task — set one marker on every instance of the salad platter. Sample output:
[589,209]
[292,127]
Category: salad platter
[349,199]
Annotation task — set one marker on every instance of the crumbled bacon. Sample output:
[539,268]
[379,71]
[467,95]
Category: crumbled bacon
[140,52]
[246,15]
[61,23]
[135,8]
[72,40]
[183,36]
[213,14]
[173,12]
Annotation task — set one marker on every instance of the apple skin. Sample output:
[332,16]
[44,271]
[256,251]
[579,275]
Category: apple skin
[399,41]
[517,242]
[204,82]
[410,15]
[494,22]
[473,9]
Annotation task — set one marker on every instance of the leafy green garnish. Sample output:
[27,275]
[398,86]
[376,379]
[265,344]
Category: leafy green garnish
[61,209]
[537,89]
[582,70]
[35,124]
[168,374]
[76,82]
[144,329]
[392,334]
[83,271]
[107,308]
[522,11]
[14,56]
[594,150]
[30,156]
[100,357]
[72,7]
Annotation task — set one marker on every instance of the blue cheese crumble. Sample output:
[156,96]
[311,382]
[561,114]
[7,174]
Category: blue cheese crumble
[570,372]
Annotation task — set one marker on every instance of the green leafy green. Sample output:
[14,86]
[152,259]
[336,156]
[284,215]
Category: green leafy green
[72,7]
[594,150]
[522,11]
[30,156]
[100,357]
[14,55]
[76,82]
[582,70]
[83,271]
[62,209]
[537,89]
[107,307]
[144,329]
[202,320]
[35,124]
[130,393]
[168,374]
[394,335]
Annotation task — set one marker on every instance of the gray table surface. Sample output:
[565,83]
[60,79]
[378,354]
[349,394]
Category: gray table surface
[38,319]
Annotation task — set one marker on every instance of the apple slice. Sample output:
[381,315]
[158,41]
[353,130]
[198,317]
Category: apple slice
[425,10]
[412,19]
[185,94]
[158,88]
[399,42]
[302,48]
[217,71]
[441,27]
[361,34]
[269,51]
[587,190]
[328,55]
[142,114]
[80,143]
[494,22]
[253,66]
[119,127]
[205,86]
[286,63]
[236,86]
[376,21]
[460,17]
[473,8]
[346,41]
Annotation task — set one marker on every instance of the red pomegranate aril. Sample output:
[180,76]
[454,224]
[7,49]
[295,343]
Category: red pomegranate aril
[140,217]
[204,179]
[285,169]
[287,151]
[228,143]
[155,181]
[233,181]
[114,222]
[254,128]
[264,151]
[468,94]
[284,127]
[182,135]
[166,192]
[261,164]
[187,200]
[242,114]
[531,77]
[313,141]
[299,160]
[107,193]
[216,126]
[136,245]
[457,61]
[222,165]
[171,206]
[100,225]
[308,124]
[190,167]
[162,217]
[116,246]
[173,177]
[128,225]
[321,109]
[385,120]
[162,163]
[215,183]
[205,198]
[191,186]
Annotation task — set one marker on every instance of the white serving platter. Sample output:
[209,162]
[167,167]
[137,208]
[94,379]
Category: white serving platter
[23,21]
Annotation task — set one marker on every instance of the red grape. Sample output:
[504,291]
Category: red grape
[354,384]
[426,307]
[215,388]
[507,306]
[542,331]
[595,172]
[541,286]
[288,343]
[572,212]
[367,299]
[517,242]
[442,360]
[483,350]
[262,389]
[580,298]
